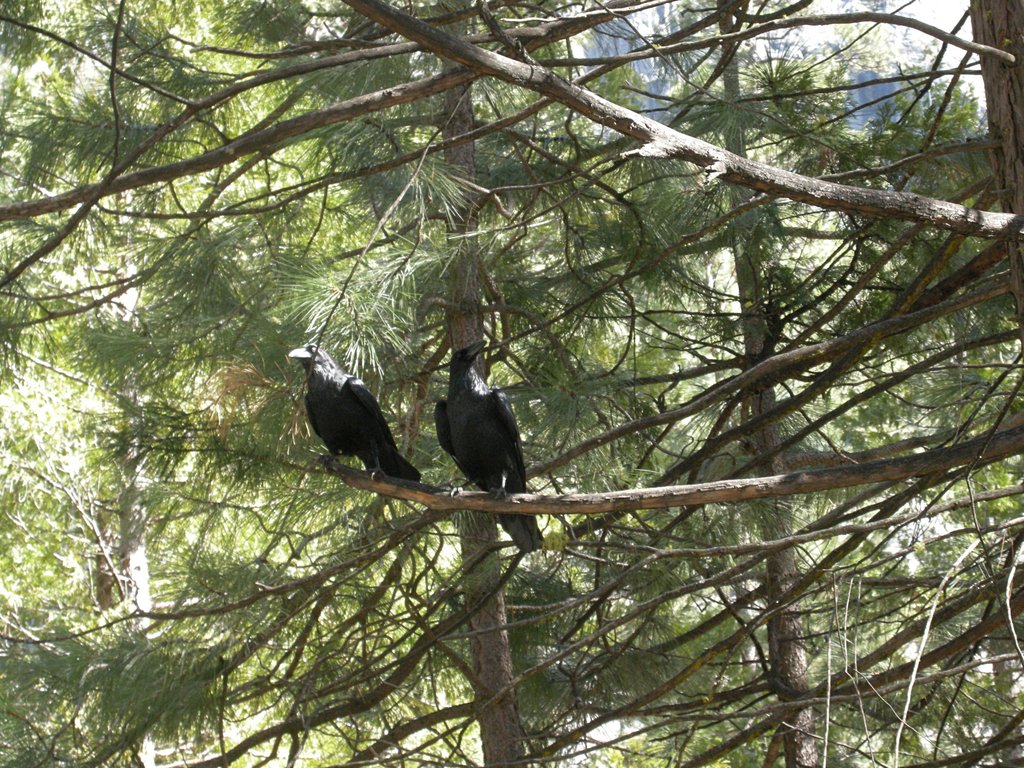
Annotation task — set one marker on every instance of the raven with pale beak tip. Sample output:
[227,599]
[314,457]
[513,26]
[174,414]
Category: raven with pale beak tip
[347,417]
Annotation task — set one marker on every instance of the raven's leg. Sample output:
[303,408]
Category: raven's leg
[502,493]
[371,461]
[377,468]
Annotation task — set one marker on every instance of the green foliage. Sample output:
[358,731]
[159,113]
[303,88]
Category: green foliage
[147,406]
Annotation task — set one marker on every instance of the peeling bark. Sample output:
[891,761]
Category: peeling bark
[661,141]
[787,654]
[1000,24]
[495,704]
[976,452]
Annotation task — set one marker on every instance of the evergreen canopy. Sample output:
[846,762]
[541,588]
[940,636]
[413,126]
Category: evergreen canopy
[751,278]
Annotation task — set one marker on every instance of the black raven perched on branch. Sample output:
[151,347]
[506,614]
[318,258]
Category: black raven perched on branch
[347,417]
[477,427]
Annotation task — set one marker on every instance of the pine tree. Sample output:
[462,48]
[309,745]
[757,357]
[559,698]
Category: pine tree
[751,290]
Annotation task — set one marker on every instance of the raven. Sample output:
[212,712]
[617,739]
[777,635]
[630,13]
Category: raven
[477,427]
[347,417]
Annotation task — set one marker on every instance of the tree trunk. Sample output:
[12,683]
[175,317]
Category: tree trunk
[132,554]
[108,590]
[787,654]
[132,518]
[132,563]
[1000,24]
[495,702]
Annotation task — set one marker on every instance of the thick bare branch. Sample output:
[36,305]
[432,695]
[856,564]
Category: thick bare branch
[664,142]
[246,144]
[789,361]
[980,450]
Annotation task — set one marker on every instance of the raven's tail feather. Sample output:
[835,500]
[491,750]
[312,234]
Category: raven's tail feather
[393,463]
[524,531]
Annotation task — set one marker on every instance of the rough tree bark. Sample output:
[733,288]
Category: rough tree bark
[1000,24]
[495,702]
[133,515]
[787,654]
[663,142]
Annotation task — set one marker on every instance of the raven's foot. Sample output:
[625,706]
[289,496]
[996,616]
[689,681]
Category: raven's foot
[453,490]
[325,459]
[500,493]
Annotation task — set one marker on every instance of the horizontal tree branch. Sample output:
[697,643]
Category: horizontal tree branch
[979,450]
[799,358]
[377,752]
[660,141]
[260,140]
[244,145]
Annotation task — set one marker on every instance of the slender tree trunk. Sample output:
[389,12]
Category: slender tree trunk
[1000,23]
[787,653]
[132,518]
[496,709]
[107,588]
[134,563]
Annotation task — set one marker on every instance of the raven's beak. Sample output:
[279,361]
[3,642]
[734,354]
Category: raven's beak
[475,349]
[300,353]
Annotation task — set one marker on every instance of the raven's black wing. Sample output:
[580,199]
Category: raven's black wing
[384,456]
[524,529]
[369,402]
[508,420]
[310,416]
[443,427]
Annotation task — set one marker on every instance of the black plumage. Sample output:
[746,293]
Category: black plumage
[477,427]
[346,416]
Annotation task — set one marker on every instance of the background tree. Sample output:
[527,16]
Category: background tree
[734,248]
